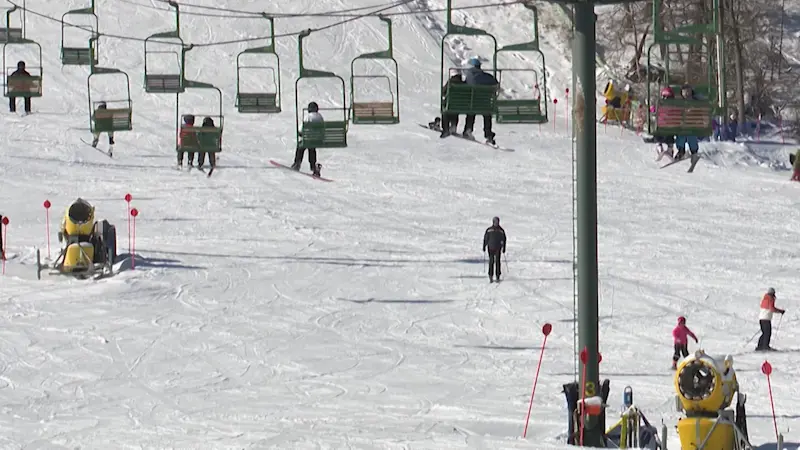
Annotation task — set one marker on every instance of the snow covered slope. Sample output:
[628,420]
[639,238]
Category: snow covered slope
[268,310]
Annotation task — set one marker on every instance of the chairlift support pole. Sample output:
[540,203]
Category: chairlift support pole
[585,137]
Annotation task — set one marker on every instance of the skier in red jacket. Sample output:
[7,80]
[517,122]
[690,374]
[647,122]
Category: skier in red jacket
[680,338]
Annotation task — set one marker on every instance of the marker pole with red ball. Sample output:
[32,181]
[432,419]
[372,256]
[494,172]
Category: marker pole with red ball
[133,214]
[47,206]
[566,116]
[555,112]
[766,369]
[4,226]
[546,329]
[128,198]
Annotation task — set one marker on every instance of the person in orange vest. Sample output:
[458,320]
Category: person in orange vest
[765,320]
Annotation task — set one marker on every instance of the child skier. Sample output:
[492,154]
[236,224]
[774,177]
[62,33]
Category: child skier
[102,118]
[680,338]
[795,161]
[669,141]
[188,138]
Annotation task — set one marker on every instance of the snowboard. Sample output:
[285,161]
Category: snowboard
[289,168]
[496,147]
[108,153]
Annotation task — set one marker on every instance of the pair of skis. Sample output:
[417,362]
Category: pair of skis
[695,158]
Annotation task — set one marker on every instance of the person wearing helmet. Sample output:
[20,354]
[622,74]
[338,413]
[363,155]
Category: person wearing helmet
[494,240]
[680,339]
[477,77]
[104,121]
[17,74]
[313,116]
[187,138]
[768,309]
[208,141]
[668,141]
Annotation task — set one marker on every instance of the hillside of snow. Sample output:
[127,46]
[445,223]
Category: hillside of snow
[270,310]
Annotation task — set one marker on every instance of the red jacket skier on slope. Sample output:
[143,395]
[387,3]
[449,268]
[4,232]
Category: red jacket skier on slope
[680,338]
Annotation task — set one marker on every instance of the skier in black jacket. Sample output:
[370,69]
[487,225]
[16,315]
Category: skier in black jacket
[495,240]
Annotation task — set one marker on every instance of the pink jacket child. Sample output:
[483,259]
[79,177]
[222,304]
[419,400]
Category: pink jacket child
[680,337]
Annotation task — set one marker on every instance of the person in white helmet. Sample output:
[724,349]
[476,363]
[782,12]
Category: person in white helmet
[768,309]
[494,240]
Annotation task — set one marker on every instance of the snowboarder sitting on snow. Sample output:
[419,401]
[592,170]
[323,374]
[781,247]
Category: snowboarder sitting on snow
[680,338]
[495,240]
[687,93]
[768,309]
[208,140]
[102,122]
[448,122]
[17,74]
[477,77]
[313,116]
[188,138]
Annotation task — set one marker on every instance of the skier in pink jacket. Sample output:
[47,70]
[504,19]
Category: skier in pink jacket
[680,338]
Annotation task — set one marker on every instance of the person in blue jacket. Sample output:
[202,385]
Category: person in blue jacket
[477,77]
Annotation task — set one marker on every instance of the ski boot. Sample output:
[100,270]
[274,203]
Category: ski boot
[490,139]
[468,135]
[296,166]
[680,155]
[436,124]
[316,169]
[95,141]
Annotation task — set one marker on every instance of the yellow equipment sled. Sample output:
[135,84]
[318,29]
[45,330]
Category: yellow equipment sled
[90,248]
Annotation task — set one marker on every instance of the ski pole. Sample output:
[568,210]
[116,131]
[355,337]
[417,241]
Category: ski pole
[778,328]
[505,260]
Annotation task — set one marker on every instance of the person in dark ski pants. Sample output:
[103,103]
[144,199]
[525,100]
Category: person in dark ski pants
[208,140]
[768,309]
[188,139]
[450,121]
[477,77]
[19,73]
[313,116]
[494,239]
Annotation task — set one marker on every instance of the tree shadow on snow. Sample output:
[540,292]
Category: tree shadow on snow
[126,263]
[331,260]
[774,445]
[409,301]
[575,319]
[509,348]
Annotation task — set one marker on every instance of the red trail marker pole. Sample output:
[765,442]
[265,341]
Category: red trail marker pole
[546,329]
[566,116]
[47,224]
[766,369]
[134,213]
[4,226]
[128,198]
[555,112]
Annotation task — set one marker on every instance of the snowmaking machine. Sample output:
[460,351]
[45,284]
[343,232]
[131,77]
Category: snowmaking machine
[90,248]
[705,389]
